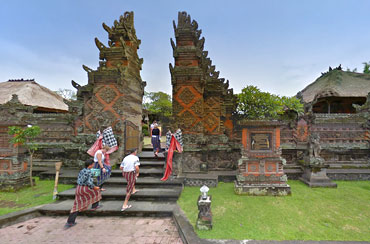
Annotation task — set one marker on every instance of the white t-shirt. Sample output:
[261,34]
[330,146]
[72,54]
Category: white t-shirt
[102,156]
[129,163]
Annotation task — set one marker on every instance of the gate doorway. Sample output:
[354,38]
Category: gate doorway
[131,137]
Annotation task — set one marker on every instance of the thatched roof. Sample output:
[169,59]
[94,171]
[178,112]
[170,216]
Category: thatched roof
[337,83]
[32,94]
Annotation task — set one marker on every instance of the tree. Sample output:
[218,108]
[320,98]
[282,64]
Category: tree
[252,103]
[25,137]
[366,68]
[158,103]
[66,94]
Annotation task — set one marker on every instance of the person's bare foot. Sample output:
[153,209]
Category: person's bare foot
[134,191]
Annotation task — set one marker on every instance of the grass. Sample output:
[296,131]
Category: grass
[28,197]
[309,214]
[148,142]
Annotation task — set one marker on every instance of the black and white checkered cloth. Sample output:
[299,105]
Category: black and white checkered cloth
[108,137]
[168,139]
[177,135]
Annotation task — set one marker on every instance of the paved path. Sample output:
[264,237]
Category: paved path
[93,230]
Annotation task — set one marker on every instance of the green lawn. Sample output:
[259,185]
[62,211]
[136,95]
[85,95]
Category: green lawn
[148,142]
[309,214]
[28,197]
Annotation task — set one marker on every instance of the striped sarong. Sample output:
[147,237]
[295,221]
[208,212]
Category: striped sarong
[84,196]
[156,143]
[103,176]
[131,180]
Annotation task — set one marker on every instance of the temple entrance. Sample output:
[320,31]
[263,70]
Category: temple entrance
[131,136]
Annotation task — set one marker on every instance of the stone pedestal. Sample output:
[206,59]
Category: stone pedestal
[316,177]
[204,221]
[314,172]
[261,177]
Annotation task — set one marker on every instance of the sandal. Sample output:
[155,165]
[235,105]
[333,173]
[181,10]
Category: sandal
[134,192]
[124,208]
[99,206]
[69,225]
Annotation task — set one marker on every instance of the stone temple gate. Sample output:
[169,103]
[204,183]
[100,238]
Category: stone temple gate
[112,97]
[203,107]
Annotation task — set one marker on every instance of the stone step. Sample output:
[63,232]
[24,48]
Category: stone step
[350,166]
[113,208]
[145,163]
[50,173]
[142,182]
[363,161]
[143,194]
[348,171]
[150,155]
[144,172]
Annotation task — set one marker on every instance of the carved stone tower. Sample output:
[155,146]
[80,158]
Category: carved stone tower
[113,95]
[202,103]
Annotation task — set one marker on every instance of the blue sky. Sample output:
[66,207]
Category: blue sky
[279,46]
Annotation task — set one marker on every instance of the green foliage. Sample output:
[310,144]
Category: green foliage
[27,197]
[340,214]
[145,130]
[158,103]
[24,136]
[252,103]
[366,68]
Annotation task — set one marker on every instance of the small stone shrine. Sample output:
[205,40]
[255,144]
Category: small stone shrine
[314,174]
[260,169]
[204,221]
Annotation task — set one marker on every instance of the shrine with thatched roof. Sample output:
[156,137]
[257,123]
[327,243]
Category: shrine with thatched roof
[336,91]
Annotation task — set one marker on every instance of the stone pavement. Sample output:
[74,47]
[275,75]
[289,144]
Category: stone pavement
[93,230]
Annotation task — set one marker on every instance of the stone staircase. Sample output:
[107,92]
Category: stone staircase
[154,197]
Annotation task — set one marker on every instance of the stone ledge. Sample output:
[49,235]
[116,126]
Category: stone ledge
[19,216]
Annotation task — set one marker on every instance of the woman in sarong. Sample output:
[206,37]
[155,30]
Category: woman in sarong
[105,168]
[156,142]
[86,193]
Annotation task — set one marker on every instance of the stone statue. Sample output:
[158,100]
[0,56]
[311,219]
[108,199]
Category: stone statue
[314,150]
[314,147]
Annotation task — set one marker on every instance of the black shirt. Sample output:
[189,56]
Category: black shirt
[155,132]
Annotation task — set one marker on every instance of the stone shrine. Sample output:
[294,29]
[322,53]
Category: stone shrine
[260,169]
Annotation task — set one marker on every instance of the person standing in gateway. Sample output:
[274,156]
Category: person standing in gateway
[130,170]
